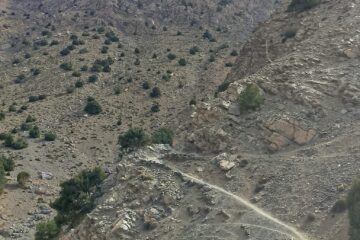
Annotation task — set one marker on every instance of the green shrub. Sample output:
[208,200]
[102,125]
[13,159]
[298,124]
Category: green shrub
[133,138]
[66,66]
[207,35]
[36,71]
[2,116]
[155,93]
[2,178]
[20,143]
[49,136]
[228,64]
[22,178]
[84,68]
[155,107]
[12,108]
[54,42]
[47,230]
[250,98]
[117,90]
[162,136]
[194,50]
[65,52]
[34,132]
[353,205]
[146,85]
[233,53]
[182,62]
[30,119]
[289,33]
[77,196]
[26,126]
[171,56]
[16,61]
[193,101]
[83,51]
[111,36]
[92,78]
[302,5]
[7,162]
[137,62]
[76,74]
[27,55]
[104,49]
[70,89]
[136,51]
[92,107]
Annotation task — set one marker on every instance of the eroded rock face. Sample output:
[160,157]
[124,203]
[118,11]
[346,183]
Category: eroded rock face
[284,130]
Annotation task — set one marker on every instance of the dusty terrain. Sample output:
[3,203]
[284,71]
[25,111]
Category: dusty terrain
[274,173]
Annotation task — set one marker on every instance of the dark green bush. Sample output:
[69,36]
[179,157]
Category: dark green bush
[30,119]
[233,53]
[92,78]
[155,107]
[182,62]
[2,178]
[77,196]
[47,230]
[65,52]
[194,50]
[302,5]
[49,136]
[20,143]
[92,107]
[162,136]
[34,132]
[353,205]
[2,116]
[146,85]
[133,138]
[76,74]
[7,162]
[193,101]
[22,178]
[66,66]
[171,56]
[250,98]
[26,126]
[155,93]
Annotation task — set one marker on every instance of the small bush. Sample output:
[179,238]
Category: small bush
[104,49]
[155,107]
[66,66]
[193,101]
[20,143]
[65,52]
[49,136]
[30,119]
[162,136]
[76,74]
[2,116]
[233,53]
[7,162]
[137,62]
[194,50]
[133,138]
[34,132]
[92,107]
[84,68]
[92,78]
[302,5]
[136,51]
[146,85]
[155,93]
[182,62]
[2,178]
[250,98]
[47,230]
[228,64]
[171,56]
[22,178]
[117,90]
[353,205]
[25,126]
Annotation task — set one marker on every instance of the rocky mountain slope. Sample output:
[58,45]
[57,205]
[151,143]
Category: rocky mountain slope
[295,157]
[49,55]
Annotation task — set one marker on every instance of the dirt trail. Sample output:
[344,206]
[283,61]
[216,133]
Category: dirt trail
[295,233]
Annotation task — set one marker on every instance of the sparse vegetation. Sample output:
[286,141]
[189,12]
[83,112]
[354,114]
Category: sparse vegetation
[155,107]
[66,66]
[182,62]
[34,132]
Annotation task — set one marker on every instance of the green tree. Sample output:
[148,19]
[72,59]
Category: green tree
[7,162]
[77,196]
[92,107]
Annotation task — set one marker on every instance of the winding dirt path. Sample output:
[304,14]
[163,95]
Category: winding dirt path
[292,231]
